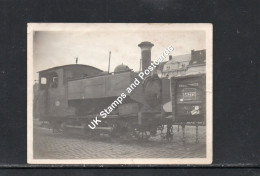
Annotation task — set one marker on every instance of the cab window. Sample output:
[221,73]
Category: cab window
[54,82]
[43,82]
[53,78]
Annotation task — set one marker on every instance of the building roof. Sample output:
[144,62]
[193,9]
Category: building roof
[175,59]
[198,57]
[182,58]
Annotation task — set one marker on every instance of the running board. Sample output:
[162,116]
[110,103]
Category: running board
[97,128]
[110,129]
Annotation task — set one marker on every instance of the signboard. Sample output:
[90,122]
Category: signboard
[188,98]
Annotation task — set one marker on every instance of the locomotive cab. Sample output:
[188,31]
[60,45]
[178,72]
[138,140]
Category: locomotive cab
[53,89]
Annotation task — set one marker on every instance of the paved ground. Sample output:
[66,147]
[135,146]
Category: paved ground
[48,145]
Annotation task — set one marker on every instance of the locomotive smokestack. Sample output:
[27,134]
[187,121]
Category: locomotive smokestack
[146,54]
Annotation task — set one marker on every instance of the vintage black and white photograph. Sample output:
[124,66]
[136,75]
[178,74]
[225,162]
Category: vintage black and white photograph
[119,93]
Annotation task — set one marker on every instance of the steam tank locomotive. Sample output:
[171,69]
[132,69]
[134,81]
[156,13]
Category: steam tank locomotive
[71,96]
[69,101]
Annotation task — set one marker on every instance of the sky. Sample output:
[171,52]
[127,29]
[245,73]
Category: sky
[56,48]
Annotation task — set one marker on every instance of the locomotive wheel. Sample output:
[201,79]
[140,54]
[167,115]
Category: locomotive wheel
[169,133]
[161,128]
[115,132]
[169,137]
[142,134]
[120,131]
[56,127]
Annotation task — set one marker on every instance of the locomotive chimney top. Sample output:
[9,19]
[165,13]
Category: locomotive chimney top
[146,54]
[146,45]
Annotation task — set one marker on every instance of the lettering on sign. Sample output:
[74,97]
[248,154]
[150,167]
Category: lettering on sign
[189,94]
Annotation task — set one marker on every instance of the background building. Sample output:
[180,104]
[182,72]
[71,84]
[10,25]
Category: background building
[197,63]
[186,64]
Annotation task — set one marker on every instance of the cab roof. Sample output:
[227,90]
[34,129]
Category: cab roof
[69,66]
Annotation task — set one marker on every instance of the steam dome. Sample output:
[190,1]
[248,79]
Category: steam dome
[121,68]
